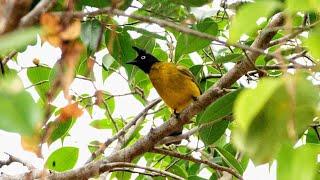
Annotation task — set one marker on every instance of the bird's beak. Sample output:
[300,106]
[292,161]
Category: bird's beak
[132,62]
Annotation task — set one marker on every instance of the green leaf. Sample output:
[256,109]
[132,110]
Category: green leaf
[188,43]
[119,44]
[194,169]
[194,177]
[196,70]
[107,60]
[90,34]
[18,40]
[212,133]
[101,3]
[228,58]
[100,124]
[196,3]
[230,160]
[82,67]
[107,124]
[62,159]
[312,42]
[160,54]
[177,170]
[220,108]
[287,102]
[299,164]
[145,33]
[60,130]
[39,77]
[312,136]
[216,112]
[303,5]
[111,104]
[92,3]
[121,175]
[247,16]
[18,111]
[146,43]
[93,146]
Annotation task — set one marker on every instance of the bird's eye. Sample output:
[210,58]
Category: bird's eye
[143,57]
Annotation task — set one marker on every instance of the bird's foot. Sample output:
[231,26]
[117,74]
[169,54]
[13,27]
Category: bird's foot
[194,98]
[176,114]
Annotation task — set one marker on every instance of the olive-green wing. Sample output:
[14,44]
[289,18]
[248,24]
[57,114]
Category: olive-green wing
[187,72]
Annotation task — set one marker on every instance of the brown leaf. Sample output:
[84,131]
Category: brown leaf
[50,23]
[70,111]
[31,143]
[71,32]
[71,56]
[99,97]
[90,63]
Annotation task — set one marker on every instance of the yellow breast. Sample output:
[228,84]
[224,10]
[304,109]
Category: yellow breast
[176,88]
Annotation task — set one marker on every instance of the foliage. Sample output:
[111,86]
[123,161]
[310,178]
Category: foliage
[273,115]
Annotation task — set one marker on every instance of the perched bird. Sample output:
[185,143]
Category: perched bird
[175,84]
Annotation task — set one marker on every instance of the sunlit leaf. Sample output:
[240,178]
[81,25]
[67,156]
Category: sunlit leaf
[216,112]
[283,111]
[18,111]
[188,43]
[246,18]
[63,159]
[299,164]
[60,129]
[303,5]
[18,40]
[146,43]
[312,43]
[230,160]
[39,77]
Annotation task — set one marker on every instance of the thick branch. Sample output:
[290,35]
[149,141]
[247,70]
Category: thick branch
[146,143]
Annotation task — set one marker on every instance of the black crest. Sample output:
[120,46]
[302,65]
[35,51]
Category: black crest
[144,60]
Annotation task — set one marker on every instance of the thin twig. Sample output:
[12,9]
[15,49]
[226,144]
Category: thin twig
[190,158]
[37,84]
[153,174]
[122,131]
[125,164]
[172,139]
[165,23]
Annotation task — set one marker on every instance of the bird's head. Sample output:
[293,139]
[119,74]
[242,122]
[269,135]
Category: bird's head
[144,60]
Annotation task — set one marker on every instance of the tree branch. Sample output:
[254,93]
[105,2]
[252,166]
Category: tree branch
[190,158]
[33,16]
[172,139]
[164,23]
[11,11]
[147,142]
[123,130]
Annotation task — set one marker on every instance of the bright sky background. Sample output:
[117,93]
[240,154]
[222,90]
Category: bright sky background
[81,133]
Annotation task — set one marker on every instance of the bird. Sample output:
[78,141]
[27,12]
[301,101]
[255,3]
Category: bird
[175,84]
